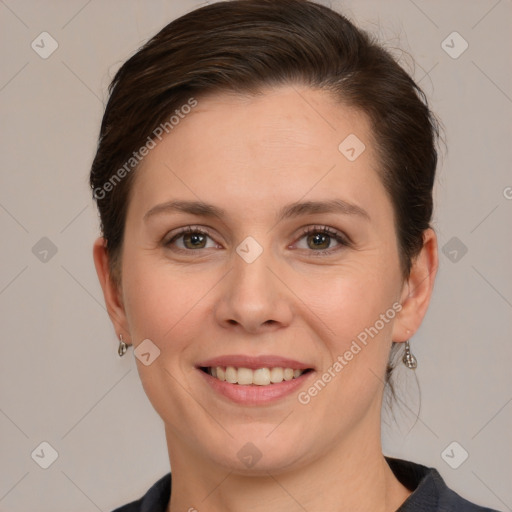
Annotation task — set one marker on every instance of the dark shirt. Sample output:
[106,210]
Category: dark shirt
[430,493]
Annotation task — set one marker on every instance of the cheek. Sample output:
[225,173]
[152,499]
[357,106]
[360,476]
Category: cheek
[159,301]
[354,319]
[165,306]
[351,297]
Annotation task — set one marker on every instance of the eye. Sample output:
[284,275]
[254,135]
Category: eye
[190,238]
[320,238]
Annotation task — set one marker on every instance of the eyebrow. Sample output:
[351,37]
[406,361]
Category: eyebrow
[292,210]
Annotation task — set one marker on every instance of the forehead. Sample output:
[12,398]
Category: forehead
[280,144]
[302,120]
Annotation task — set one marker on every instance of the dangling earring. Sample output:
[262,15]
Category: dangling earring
[123,347]
[409,360]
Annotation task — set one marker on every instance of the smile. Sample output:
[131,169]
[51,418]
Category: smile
[254,380]
[258,377]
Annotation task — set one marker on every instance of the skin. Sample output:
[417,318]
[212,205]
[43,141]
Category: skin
[251,155]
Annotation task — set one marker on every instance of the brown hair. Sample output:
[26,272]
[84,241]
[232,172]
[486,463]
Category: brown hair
[244,46]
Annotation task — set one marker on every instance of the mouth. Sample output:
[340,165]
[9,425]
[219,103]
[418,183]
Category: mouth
[265,376]
[254,380]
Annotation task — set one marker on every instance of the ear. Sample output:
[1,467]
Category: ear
[417,289]
[111,292]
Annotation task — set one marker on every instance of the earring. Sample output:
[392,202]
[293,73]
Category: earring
[409,360]
[123,347]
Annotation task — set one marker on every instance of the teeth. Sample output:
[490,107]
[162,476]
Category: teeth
[288,374]
[276,375]
[244,376]
[259,377]
[231,375]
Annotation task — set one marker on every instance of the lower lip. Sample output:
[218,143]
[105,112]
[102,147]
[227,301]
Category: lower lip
[253,394]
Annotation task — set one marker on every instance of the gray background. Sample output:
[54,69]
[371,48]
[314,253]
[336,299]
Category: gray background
[61,380]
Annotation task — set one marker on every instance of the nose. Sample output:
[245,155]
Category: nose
[253,298]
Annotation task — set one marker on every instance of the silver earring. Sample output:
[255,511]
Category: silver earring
[409,360]
[123,347]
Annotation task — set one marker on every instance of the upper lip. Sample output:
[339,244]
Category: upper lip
[254,362]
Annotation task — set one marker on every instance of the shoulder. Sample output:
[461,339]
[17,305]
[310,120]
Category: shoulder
[430,492]
[156,498]
[450,501]
[134,506]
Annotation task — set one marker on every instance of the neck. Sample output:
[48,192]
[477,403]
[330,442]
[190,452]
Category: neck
[353,476]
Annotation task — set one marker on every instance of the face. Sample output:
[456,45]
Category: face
[291,263]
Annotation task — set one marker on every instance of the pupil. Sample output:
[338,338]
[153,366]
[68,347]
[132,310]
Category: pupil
[320,237]
[194,238]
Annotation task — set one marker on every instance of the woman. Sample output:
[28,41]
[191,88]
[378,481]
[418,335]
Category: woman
[264,179]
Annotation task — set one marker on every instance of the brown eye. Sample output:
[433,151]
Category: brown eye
[319,239]
[194,240]
[190,238]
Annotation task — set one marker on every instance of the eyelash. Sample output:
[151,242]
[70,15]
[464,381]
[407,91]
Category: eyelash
[332,233]
[326,230]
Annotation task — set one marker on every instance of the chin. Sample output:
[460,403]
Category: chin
[258,454]
[250,461]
